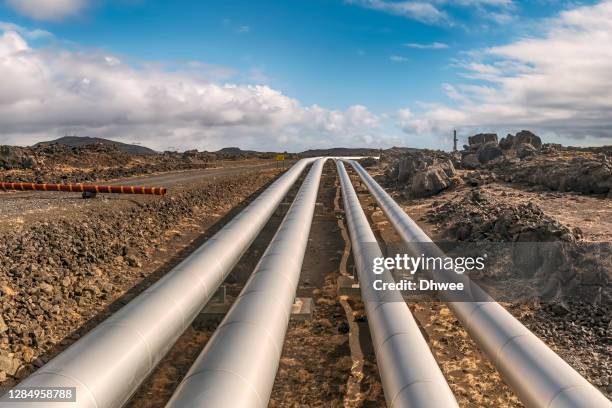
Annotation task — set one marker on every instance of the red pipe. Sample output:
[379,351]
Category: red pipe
[81,188]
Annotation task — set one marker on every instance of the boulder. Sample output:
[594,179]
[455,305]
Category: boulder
[525,150]
[488,152]
[470,161]
[448,168]
[406,167]
[482,138]
[430,182]
[8,364]
[525,136]
[507,142]
[423,173]
[409,165]
[368,162]
[13,157]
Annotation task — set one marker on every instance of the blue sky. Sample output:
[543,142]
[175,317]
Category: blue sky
[375,72]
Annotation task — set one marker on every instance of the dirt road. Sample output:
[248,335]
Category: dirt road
[18,208]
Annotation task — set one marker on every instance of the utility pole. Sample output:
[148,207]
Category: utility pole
[455,140]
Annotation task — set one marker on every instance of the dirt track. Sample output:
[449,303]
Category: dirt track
[22,207]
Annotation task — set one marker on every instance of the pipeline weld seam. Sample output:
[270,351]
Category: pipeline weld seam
[140,335]
[561,391]
[252,323]
[406,386]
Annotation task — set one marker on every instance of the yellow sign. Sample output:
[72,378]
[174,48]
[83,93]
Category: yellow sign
[280,157]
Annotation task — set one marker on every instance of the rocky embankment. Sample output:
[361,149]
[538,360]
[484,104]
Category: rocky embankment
[539,247]
[57,275]
[523,158]
[483,217]
[57,163]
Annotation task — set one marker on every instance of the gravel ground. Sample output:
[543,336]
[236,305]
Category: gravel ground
[17,208]
[57,276]
[67,263]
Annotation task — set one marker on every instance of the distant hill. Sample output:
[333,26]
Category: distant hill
[76,141]
[235,151]
[340,151]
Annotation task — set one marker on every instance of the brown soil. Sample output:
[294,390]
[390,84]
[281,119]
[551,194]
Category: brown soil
[172,244]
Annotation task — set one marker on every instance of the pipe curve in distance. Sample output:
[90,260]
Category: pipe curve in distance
[108,364]
[410,375]
[540,378]
[238,366]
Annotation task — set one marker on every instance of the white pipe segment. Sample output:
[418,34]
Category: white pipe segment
[409,373]
[109,363]
[239,363]
[540,378]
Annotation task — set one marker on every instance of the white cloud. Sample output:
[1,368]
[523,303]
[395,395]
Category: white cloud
[49,92]
[435,11]
[560,82]
[397,58]
[417,10]
[30,34]
[47,9]
[432,46]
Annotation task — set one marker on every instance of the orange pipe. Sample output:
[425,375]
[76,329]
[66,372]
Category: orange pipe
[84,188]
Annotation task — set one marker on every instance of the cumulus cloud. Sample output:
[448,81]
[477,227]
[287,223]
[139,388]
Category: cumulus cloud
[432,46]
[559,82]
[48,92]
[47,9]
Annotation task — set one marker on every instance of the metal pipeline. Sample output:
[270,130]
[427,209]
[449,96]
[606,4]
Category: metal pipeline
[82,188]
[109,363]
[540,378]
[228,372]
[409,373]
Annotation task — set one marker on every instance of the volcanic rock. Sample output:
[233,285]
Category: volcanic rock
[470,161]
[488,152]
[423,173]
[525,150]
[525,136]
[8,364]
[482,138]
[507,142]
[431,181]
